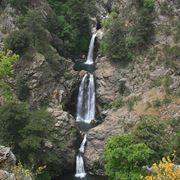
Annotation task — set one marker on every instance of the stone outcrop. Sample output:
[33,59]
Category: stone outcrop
[7,160]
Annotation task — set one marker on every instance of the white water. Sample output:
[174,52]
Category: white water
[85,107]
[90,52]
[80,172]
[86,99]
[81,149]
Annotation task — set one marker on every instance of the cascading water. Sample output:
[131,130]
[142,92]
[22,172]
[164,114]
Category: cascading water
[90,52]
[81,149]
[85,107]
[80,172]
[86,99]
[86,96]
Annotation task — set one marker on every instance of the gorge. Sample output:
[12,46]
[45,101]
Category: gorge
[109,115]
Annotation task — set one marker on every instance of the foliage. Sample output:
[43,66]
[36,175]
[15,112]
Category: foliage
[20,5]
[33,22]
[152,131]
[7,60]
[70,23]
[26,131]
[22,89]
[18,41]
[123,39]
[114,42]
[22,173]
[117,103]
[144,28]
[165,170]
[124,158]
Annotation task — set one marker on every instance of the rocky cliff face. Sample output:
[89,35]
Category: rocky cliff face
[146,77]
[45,83]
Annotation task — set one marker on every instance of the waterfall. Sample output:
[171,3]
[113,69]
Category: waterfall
[85,107]
[90,52]
[81,149]
[80,172]
[86,97]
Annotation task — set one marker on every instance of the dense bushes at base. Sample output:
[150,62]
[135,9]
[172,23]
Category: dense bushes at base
[26,131]
[124,158]
[152,139]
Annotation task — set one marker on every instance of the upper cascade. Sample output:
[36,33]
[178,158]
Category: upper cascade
[90,52]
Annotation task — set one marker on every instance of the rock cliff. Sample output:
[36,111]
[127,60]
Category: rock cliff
[146,77]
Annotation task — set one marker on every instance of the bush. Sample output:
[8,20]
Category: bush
[114,43]
[18,41]
[22,89]
[26,131]
[152,131]
[124,158]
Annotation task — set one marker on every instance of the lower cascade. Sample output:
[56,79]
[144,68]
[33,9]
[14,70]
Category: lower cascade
[80,171]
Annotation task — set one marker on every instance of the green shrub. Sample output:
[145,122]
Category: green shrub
[22,89]
[20,5]
[18,41]
[117,103]
[124,158]
[152,131]
[114,42]
[26,131]
[156,103]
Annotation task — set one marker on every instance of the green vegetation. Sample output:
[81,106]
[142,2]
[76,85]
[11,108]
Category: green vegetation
[124,157]
[67,22]
[153,132]
[119,103]
[122,40]
[152,139]
[22,89]
[18,41]
[26,132]
[7,60]
[70,24]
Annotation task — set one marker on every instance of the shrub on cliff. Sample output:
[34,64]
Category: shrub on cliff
[18,41]
[124,157]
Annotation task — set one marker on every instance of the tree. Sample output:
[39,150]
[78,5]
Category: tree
[26,132]
[18,41]
[124,158]
[7,60]
[152,131]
